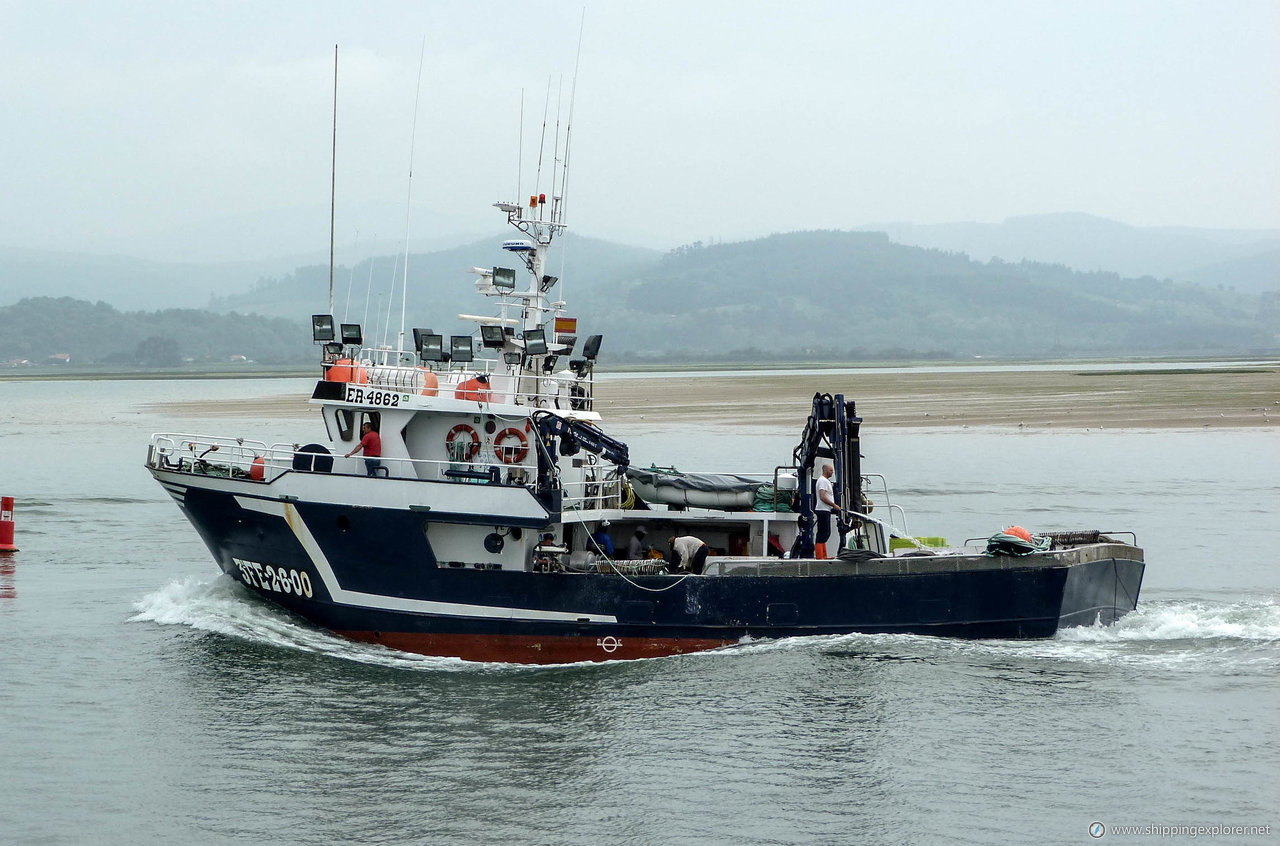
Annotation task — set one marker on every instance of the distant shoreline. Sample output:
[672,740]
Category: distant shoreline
[1063,399]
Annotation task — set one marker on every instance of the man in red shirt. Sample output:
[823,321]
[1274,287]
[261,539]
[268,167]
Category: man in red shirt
[371,445]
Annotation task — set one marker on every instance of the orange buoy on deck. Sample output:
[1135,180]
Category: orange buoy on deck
[258,469]
[6,525]
[1018,532]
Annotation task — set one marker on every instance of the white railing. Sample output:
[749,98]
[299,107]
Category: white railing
[539,390]
[218,456]
[879,496]
[588,495]
[235,457]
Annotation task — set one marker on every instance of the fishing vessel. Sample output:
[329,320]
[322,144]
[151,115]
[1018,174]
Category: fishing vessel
[501,521]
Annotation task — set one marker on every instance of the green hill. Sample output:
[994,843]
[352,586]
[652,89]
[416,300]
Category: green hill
[825,295]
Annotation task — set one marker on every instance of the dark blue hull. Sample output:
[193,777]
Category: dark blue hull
[374,575]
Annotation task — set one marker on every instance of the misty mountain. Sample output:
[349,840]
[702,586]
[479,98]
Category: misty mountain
[125,282]
[1087,243]
[1258,272]
[440,285]
[854,295]
[94,333]
[825,295]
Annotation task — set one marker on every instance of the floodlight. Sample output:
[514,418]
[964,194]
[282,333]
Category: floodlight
[512,357]
[491,336]
[566,342]
[548,281]
[535,341]
[432,348]
[333,348]
[460,348]
[591,349]
[322,328]
[351,334]
[420,335]
[504,277]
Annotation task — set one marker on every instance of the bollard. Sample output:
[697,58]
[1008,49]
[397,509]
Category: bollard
[6,525]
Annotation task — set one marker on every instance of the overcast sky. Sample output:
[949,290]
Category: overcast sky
[175,129]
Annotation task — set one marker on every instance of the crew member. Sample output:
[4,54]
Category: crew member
[371,446]
[822,511]
[637,549]
[603,542]
[690,553]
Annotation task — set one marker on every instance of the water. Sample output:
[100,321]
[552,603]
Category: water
[144,698]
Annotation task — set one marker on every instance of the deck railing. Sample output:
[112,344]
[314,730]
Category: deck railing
[235,457]
[541,390]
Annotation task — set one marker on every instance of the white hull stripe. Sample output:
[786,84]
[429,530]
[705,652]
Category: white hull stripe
[290,515]
[178,492]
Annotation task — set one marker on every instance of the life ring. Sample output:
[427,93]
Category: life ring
[511,454]
[465,452]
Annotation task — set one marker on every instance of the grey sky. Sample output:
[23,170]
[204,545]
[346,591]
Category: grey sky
[203,129]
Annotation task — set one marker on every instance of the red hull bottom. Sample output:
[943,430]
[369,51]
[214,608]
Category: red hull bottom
[514,649]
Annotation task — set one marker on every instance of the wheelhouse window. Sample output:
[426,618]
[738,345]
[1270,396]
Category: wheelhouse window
[346,423]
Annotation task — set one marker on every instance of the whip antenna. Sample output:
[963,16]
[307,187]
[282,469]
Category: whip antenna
[520,146]
[333,173]
[413,137]
[568,129]
[546,104]
[568,140]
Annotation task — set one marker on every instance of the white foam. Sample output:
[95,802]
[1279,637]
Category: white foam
[222,606]
[1169,635]
[1250,620]
[1178,632]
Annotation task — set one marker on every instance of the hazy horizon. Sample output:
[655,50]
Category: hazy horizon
[168,130]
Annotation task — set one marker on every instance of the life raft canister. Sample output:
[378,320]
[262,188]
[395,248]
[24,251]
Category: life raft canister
[456,445]
[346,370]
[511,453]
[475,389]
[258,469]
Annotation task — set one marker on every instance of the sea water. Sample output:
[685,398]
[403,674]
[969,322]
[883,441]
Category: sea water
[146,698]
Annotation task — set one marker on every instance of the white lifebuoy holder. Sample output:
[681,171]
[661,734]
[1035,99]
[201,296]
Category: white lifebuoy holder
[509,453]
[465,452]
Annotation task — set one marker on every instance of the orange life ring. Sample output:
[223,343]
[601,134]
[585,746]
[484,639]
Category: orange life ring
[468,451]
[511,454]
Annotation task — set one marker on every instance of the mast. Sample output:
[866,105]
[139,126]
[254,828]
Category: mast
[333,174]
[408,203]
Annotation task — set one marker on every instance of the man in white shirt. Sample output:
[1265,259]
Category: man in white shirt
[690,553]
[822,511]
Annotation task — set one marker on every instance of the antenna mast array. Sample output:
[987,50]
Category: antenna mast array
[333,174]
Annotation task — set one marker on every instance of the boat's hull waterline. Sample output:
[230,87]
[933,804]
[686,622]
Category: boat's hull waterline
[371,574]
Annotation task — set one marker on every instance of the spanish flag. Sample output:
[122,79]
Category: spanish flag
[566,325]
